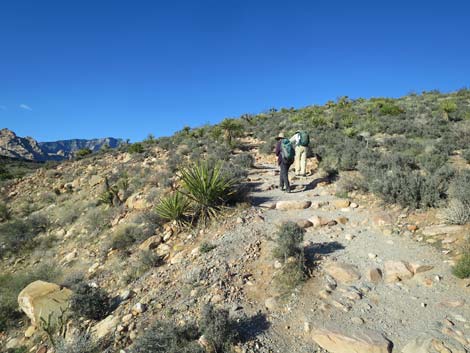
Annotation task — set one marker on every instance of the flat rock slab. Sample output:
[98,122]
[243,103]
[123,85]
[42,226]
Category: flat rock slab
[292,205]
[42,299]
[427,345]
[268,205]
[396,271]
[343,273]
[442,229]
[366,341]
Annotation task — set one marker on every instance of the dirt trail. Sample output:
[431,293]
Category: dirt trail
[431,303]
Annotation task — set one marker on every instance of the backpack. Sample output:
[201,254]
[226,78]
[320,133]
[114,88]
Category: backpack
[287,151]
[304,138]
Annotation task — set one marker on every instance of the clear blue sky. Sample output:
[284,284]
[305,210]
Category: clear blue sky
[83,69]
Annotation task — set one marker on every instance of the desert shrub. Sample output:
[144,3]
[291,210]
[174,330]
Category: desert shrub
[459,187]
[97,219]
[165,337]
[267,147]
[143,262]
[21,349]
[12,284]
[4,212]
[244,160]
[136,148]
[16,235]
[456,212]
[219,152]
[462,267]
[67,214]
[289,237]
[205,247]
[90,302]
[79,343]
[292,273]
[83,152]
[466,155]
[174,207]
[124,236]
[432,161]
[217,328]
[206,185]
[390,109]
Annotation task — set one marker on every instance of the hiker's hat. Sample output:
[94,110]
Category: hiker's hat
[280,136]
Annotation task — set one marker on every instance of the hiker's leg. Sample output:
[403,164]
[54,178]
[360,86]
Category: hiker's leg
[303,161]
[282,175]
[286,181]
[297,160]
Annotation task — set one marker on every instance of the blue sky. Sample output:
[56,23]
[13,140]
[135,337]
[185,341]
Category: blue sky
[83,69]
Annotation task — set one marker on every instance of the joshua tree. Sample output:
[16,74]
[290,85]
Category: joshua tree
[231,128]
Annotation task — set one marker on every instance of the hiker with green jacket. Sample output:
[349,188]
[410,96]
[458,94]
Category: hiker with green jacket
[285,158]
[301,140]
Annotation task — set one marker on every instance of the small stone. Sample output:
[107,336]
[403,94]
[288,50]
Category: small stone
[397,271]
[126,318]
[357,320]
[304,223]
[307,327]
[341,203]
[324,294]
[374,275]
[353,205]
[277,264]
[372,256]
[240,220]
[270,303]
[349,237]
[138,308]
[342,220]
[342,272]
[30,331]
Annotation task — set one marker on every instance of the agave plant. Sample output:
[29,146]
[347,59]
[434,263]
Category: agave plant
[207,186]
[174,207]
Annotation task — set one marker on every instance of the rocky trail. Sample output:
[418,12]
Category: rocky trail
[369,290]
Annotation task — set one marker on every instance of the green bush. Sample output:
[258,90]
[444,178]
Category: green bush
[4,212]
[462,268]
[90,302]
[218,328]
[244,160]
[165,337]
[207,186]
[456,212]
[136,148]
[390,109]
[466,155]
[83,152]
[79,343]
[174,207]
[289,237]
[124,236]
[459,187]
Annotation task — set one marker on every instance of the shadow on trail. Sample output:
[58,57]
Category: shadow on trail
[328,179]
[250,327]
[313,250]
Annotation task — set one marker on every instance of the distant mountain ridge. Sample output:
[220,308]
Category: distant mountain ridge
[27,148]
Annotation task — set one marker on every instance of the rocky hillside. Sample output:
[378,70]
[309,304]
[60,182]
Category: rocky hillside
[28,148]
[116,251]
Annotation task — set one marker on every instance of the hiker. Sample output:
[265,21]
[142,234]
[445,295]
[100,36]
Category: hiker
[301,140]
[285,157]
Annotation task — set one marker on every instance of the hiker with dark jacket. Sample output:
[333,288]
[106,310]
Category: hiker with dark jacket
[284,160]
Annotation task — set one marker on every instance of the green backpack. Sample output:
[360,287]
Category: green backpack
[304,138]
[287,151]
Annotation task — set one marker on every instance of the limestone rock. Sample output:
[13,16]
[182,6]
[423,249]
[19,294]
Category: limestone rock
[442,229]
[30,331]
[151,243]
[41,299]
[343,273]
[419,268]
[374,275]
[105,327]
[304,223]
[366,341]
[341,203]
[292,205]
[268,205]
[426,344]
[397,271]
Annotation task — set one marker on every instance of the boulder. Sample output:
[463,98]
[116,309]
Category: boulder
[292,205]
[381,219]
[419,268]
[163,249]
[426,344]
[442,229]
[365,341]
[137,202]
[151,243]
[105,327]
[43,299]
[397,271]
[374,275]
[341,203]
[343,273]
[304,223]
[268,205]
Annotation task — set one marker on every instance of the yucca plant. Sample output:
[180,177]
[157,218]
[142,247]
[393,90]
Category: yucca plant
[207,186]
[174,207]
